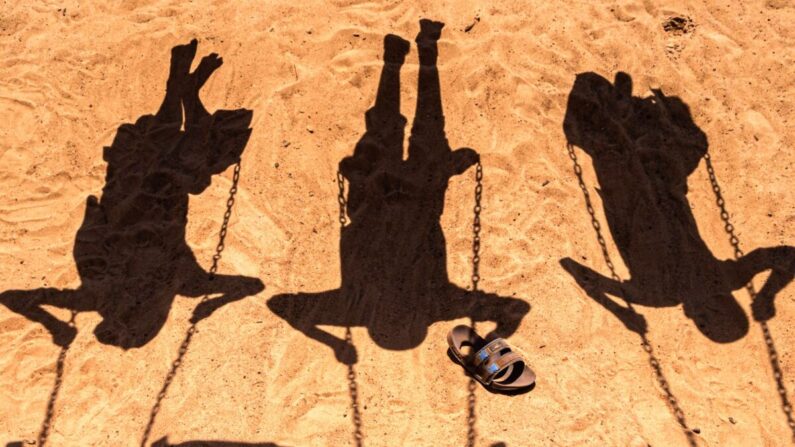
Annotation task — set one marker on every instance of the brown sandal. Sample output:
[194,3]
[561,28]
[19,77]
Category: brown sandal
[493,363]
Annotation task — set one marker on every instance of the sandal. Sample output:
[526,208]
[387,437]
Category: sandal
[493,363]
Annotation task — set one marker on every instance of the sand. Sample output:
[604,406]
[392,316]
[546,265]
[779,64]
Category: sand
[73,72]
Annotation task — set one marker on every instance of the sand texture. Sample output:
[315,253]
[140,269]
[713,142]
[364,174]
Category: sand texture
[119,140]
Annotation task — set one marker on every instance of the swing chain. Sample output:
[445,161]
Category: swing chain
[724,214]
[183,348]
[59,368]
[341,199]
[476,227]
[594,221]
[230,202]
[353,388]
[645,343]
[772,352]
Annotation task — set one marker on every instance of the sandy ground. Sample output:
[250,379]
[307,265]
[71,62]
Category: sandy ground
[72,72]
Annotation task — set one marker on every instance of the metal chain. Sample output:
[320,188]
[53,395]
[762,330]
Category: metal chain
[341,199]
[472,385]
[44,433]
[476,226]
[183,348]
[645,343]
[724,215]
[778,375]
[594,221]
[353,388]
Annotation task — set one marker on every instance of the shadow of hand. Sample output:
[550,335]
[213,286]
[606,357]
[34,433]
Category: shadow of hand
[346,354]
[634,321]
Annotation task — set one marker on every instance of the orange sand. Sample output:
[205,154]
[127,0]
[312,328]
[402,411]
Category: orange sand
[72,72]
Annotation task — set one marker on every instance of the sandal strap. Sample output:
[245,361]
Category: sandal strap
[490,369]
[486,352]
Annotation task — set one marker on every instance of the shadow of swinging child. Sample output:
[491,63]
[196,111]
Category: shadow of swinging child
[643,150]
[393,259]
[130,250]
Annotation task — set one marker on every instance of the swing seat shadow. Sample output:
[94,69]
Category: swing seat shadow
[643,150]
[130,250]
[393,254]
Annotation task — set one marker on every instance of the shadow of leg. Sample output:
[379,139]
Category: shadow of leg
[329,308]
[507,313]
[197,283]
[231,288]
[781,260]
[597,286]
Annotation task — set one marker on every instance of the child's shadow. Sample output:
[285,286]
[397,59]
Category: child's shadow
[643,150]
[394,269]
[130,250]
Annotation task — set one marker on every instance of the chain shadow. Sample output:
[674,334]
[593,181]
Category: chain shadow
[638,324]
[643,150]
[393,255]
[130,250]
[46,425]
[772,352]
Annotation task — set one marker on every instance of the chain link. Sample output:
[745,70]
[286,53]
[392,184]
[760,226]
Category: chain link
[476,227]
[353,388]
[341,199]
[645,343]
[183,348]
[772,353]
